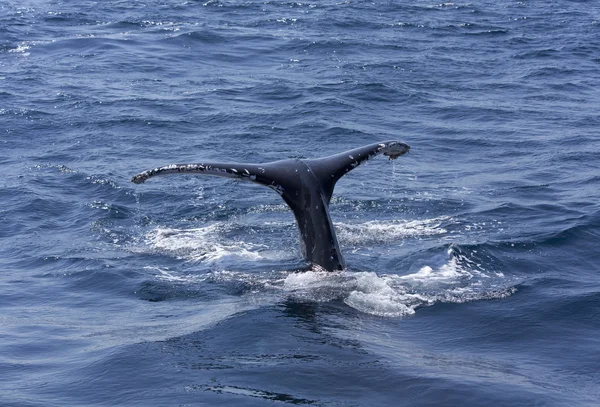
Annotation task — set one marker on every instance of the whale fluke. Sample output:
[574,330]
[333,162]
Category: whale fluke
[305,185]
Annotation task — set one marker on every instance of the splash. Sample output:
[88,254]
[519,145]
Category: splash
[450,274]
[383,295]
[22,48]
[459,279]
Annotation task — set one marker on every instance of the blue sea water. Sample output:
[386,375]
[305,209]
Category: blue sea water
[473,262]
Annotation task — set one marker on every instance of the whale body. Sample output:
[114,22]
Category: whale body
[305,185]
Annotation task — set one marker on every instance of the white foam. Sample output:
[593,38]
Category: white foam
[366,292]
[387,295]
[316,285]
[458,279]
[312,279]
[447,272]
[386,231]
[21,49]
[200,244]
[374,295]
[209,243]
[451,276]
[269,208]
[166,275]
[379,304]
[24,47]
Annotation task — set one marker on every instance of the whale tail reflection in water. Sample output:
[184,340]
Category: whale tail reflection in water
[305,185]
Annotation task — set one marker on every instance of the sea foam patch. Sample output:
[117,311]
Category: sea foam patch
[458,279]
[200,244]
[384,295]
[385,231]
[454,274]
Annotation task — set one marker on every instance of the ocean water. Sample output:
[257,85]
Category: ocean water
[473,272]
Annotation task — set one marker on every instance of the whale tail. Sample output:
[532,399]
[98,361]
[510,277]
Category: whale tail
[305,185]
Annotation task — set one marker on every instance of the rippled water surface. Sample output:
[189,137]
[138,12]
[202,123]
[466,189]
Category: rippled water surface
[473,272]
